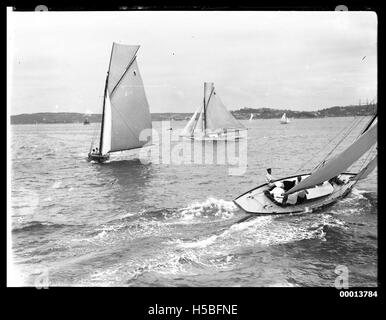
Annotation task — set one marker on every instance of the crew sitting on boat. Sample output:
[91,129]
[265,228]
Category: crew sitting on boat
[293,198]
[95,151]
[277,194]
[336,180]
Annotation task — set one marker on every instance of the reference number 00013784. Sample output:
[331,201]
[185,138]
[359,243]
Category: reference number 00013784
[358,294]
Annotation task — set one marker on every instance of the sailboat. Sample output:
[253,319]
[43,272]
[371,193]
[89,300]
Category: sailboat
[86,121]
[214,121]
[251,117]
[125,112]
[324,186]
[284,119]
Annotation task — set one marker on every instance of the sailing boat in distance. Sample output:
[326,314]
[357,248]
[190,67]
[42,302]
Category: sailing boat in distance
[125,111]
[214,122]
[251,117]
[284,119]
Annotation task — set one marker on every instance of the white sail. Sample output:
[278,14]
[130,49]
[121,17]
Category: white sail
[284,118]
[367,170]
[189,128]
[251,117]
[128,103]
[341,162]
[216,114]
[199,128]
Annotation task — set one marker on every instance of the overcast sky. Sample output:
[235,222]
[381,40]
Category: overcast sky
[296,60]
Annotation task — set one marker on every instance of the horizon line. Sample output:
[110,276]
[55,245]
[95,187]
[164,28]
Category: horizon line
[283,109]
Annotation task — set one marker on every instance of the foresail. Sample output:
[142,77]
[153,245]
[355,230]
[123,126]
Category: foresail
[188,130]
[341,162]
[199,128]
[129,107]
[217,115]
[367,170]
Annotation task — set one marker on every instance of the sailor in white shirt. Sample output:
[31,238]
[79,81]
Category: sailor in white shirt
[278,192]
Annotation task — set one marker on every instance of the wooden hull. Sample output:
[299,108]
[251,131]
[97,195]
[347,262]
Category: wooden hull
[256,202]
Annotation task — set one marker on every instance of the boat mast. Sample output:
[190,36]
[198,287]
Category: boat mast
[204,115]
[104,102]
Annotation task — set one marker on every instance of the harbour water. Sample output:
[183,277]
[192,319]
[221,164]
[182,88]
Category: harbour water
[128,223]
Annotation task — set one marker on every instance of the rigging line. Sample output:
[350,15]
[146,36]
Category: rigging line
[369,155]
[320,150]
[362,167]
[94,136]
[356,123]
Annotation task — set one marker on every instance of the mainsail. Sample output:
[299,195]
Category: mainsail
[251,116]
[126,110]
[217,115]
[341,162]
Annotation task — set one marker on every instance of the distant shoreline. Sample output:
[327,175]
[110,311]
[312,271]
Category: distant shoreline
[241,114]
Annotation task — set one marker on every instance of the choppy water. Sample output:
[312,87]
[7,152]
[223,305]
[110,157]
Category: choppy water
[125,223]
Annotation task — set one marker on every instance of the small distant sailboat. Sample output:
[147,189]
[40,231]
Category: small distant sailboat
[86,121]
[251,117]
[125,108]
[214,121]
[284,119]
[325,185]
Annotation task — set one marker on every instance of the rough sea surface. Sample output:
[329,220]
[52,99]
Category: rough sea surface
[125,223]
